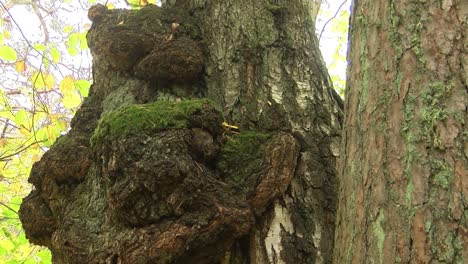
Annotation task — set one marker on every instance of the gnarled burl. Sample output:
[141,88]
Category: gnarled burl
[148,173]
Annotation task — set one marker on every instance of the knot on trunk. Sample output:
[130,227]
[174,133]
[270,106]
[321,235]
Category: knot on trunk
[177,182]
[152,43]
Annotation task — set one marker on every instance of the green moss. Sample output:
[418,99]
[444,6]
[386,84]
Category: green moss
[379,233]
[409,192]
[393,34]
[364,90]
[350,250]
[427,226]
[443,173]
[137,119]
[393,195]
[444,249]
[411,156]
[409,132]
[409,113]
[274,8]
[434,111]
[242,154]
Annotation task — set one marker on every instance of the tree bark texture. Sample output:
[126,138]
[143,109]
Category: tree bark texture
[153,172]
[403,166]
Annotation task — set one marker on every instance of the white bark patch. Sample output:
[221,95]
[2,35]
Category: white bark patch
[447,4]
[277,94]
[303,94]
[281,222]
[335,146]
[303,88]
[233,83]
[273,78]
[317,238]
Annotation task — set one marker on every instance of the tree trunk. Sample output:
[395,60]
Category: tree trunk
[403,184]
[152,173]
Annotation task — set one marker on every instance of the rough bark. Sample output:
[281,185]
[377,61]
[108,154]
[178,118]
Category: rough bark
[148,173]
[403,167]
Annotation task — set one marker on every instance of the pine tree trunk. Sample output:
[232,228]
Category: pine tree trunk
[403,165]
[148,174]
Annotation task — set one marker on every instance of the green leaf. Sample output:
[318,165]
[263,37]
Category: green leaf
[6,244]
[67,29]
[73,39]
[45,256]
[72,51]
[40,47]
[13,261]
[22,238]
[43,81]
[83,41]
[22,118]
[41,134]
[8,53]
[55,53]
[15,202]
[83,86]
[3,252]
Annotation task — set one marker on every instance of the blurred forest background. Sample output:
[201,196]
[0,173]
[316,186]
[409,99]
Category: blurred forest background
[46,72]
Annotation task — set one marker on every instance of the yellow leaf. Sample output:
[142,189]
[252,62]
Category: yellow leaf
[35,158]
[49,81]
[72,101]
[37,80]
[61,125]
[6,244]
[20,66]
[2,142]
[16,187]
[228,126]
[43,81]
[54,117]
[51,131]
[67,29]
[67,85]
[6,34]
[24,132]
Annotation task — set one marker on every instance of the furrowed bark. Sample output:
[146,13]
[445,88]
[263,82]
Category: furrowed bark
[403,167]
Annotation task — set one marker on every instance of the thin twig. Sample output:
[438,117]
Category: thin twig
[333,17]
[8,207]
[26,39]
[4,158]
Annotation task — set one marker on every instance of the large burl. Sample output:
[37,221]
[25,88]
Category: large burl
[160,182]
[151,44]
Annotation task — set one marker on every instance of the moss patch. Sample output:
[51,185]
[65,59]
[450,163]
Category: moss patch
[242,154]
[443,173]
[379,233]
[434,111]
[138,119]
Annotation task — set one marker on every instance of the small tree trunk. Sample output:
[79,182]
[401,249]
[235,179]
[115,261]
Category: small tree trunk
[403,185]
